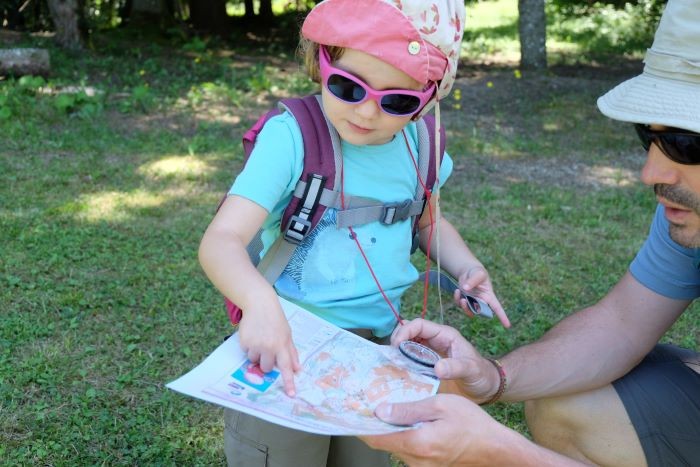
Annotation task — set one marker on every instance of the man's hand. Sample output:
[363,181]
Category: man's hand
[475,377]
[454,431]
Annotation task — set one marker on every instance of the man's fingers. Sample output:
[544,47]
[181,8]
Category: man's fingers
[410,330]
[401,441]
[405,332]
[407,413]
[454,368]
[437,334]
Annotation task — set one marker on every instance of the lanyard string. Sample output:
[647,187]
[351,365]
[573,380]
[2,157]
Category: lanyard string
[430,235]
[438,214]
[427,195]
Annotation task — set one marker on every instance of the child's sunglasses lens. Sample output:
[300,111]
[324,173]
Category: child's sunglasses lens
[400,104]
[396,104]
[345,89]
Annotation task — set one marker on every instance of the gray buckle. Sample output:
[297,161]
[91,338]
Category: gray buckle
[296,230]
[396,212]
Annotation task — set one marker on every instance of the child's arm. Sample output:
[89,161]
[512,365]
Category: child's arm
[457,259]
[264,332]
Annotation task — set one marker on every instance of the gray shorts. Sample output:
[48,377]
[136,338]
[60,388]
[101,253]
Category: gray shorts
[252,442]
[662,398]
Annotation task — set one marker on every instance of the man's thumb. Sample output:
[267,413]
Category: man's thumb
[452,368]
[406,413]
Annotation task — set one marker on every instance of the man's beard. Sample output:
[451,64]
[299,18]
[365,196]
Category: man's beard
[686,199]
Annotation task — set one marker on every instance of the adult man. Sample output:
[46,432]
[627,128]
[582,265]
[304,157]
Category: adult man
[590,397]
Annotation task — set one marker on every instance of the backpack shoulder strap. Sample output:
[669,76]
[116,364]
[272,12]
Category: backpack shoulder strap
[251,135]
[321,154]
[427,167]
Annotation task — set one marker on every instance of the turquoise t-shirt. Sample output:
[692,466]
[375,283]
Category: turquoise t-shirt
[327,274]
[664,266]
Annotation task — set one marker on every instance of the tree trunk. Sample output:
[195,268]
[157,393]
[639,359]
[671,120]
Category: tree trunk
[209,15]
[19,62]
[532,27]
[249,9]
[265,9]
[65,15]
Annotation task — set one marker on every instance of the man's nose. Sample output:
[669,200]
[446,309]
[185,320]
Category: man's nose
[659,168]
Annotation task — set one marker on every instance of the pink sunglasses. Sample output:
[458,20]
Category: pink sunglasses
[351,89]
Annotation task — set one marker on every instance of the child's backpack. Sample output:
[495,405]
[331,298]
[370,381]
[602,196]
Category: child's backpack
[318,187]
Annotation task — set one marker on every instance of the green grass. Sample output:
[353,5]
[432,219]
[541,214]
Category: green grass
[105,197]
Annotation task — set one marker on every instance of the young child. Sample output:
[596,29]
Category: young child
[356,50]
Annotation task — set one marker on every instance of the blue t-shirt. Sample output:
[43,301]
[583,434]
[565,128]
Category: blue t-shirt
[327,273]
[664,266]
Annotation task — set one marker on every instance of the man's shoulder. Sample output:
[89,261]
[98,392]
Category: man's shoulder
[664,266]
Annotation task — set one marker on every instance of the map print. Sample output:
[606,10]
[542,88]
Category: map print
[343,379]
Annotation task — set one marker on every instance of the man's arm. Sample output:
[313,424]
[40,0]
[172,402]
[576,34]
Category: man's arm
[594,346]
[586,350]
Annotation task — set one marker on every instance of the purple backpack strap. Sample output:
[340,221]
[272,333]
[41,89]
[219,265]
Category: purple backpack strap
[319,167]
[319,156]
[252,134]
[431,176]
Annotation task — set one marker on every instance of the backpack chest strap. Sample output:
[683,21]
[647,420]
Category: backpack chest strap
[360,210]
[387,213]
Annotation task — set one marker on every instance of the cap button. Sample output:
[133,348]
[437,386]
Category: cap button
[413,47]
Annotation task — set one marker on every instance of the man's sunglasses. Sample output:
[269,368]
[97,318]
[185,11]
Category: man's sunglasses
[678,145]
[351,89]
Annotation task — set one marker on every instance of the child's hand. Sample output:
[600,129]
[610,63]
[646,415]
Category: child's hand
[476,281]
[266,337]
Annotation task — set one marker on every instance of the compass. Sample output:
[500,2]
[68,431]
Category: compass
[419,353]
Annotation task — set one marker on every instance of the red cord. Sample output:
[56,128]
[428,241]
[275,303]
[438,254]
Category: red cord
[357,242]
[427,195]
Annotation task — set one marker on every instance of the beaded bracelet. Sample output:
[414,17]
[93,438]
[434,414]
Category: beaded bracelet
[502,384]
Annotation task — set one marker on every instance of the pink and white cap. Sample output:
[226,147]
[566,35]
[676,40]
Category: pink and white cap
[420,38]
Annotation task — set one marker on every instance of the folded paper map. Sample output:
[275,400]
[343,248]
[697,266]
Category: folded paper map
[343,378]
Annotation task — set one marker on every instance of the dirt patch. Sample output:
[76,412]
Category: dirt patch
[490,97]
[565,172]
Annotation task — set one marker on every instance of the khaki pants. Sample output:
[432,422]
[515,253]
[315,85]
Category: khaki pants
[252,442]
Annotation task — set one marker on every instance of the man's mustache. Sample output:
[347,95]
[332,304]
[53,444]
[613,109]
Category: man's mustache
[679,196]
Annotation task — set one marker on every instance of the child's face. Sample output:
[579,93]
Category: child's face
[366,123]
